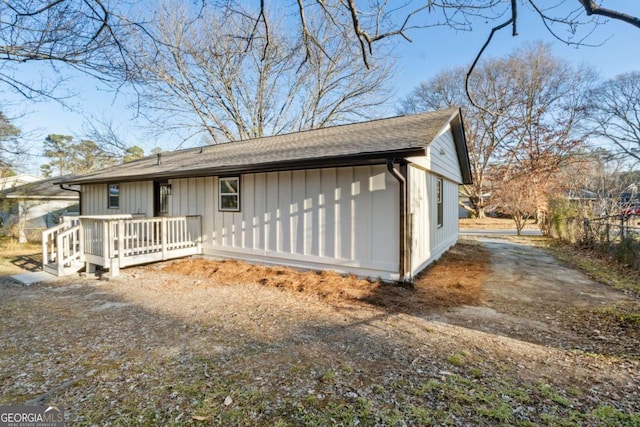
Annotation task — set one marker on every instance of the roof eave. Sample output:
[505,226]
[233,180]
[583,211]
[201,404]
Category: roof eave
[312,163]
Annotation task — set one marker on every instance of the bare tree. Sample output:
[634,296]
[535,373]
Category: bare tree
[546,122]
[616,114]
[110,140]
[486,133]
[207,76]
[88,35]
[92,35]
[534,104]
[570,21]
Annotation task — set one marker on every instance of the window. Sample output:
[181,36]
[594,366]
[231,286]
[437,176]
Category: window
[439,201]
[229,194]
[163,202]
[114,196]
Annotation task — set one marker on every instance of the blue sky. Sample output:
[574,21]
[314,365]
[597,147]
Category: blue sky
[432,50]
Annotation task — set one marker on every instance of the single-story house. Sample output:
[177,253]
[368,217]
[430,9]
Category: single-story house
[11,181]
[376,199]
[29,208]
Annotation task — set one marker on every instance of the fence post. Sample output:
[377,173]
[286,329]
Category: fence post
[585,223]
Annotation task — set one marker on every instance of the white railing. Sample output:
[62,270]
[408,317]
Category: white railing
[122,242]
[62,245]
[116,241]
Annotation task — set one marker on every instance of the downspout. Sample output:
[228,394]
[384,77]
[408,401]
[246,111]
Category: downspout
[402,232]
[79,196]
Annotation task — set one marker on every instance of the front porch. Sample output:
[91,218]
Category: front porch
[117,241]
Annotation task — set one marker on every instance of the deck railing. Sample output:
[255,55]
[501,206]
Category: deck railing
[62,245]
[119,241]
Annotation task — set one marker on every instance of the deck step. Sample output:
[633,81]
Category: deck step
[66,271]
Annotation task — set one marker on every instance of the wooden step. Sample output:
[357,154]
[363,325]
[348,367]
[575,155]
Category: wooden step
[66,271]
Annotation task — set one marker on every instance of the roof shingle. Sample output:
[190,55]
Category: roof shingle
[376,138]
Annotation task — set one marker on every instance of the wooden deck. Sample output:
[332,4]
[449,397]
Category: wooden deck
[118,241]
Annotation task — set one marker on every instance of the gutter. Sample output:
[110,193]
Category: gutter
[402,231]
[79,196]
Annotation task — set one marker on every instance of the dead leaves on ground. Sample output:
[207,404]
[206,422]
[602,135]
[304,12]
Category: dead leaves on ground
[455,279]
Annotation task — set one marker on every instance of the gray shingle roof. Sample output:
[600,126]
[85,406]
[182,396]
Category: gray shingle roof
[376,139]
[44,189]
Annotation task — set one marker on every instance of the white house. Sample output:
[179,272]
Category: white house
[32,206]
[377,199]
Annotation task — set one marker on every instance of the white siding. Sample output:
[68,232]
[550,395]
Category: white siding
[135,198]
[441,157]
[428,241]
[343,219]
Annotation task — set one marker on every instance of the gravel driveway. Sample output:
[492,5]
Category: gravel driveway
[532,296]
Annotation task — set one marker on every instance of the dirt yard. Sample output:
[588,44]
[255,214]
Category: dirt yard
[482,339]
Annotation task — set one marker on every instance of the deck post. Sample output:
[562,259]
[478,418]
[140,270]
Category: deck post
[45,258]
[105,240]
[81,240]
[114,267]
[121,242]
[163,238]
[59,256]
[89,268]
[199,234]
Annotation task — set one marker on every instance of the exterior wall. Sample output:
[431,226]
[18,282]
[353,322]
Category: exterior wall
[428,241]
[343,219]
[135,198]
[441,157]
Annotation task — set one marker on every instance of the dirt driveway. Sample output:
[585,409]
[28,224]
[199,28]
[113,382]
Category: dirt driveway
[532,296]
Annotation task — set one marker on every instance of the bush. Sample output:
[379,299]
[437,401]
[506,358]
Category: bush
[565,220]
[627,252]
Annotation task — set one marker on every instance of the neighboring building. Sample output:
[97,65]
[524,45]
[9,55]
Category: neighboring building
[8,182]
[30,208]
[377,199]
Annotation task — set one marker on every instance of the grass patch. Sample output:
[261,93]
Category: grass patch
[599,267]
[15,256]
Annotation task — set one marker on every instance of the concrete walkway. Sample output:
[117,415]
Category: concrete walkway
[31,277]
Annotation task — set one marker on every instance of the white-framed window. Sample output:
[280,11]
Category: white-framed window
[440,201]
[229,194]
[113,201]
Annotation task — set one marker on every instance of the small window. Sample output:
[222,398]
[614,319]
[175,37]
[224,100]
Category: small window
[165,192]
[440,202]
[114,196]
[229,195]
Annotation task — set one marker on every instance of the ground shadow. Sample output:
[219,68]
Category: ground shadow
[31,262]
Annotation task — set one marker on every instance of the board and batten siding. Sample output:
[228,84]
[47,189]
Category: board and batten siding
[342,219]
[428,241]
[441,157]
[135,198]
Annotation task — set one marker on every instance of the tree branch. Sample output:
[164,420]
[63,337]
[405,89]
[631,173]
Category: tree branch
[593,9]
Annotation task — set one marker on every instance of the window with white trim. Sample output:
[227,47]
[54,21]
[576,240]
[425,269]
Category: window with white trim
[440,201]
[113,201]
[229,194]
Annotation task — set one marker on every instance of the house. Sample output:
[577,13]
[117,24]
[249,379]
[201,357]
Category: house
[29,208]
[7,182]
[376,199]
